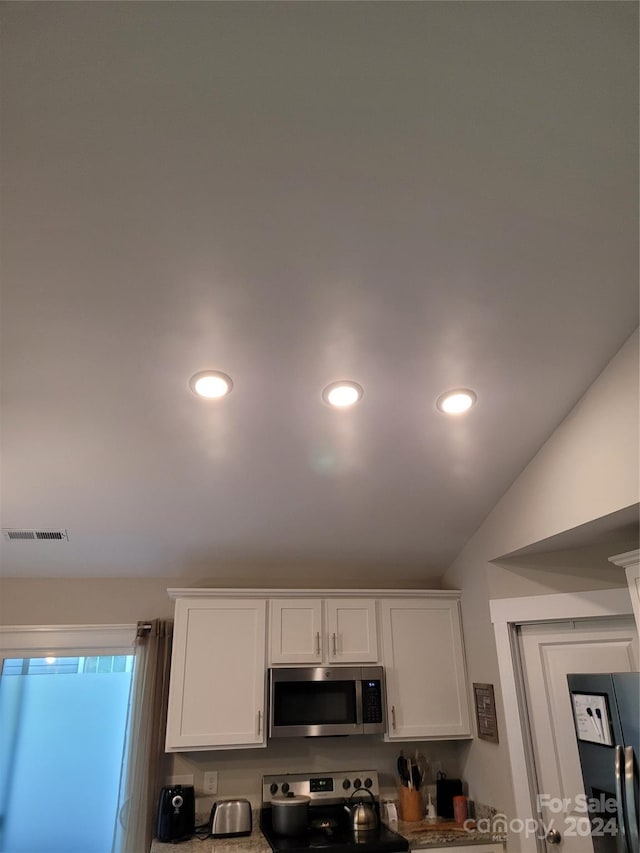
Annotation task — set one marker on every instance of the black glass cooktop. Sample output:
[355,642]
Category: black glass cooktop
[330,831]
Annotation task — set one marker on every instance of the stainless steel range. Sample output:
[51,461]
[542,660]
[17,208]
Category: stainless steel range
[343,813]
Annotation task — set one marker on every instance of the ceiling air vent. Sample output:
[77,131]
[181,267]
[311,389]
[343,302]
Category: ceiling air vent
[35,535]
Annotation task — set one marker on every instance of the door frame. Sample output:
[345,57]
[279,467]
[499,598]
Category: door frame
[507,614]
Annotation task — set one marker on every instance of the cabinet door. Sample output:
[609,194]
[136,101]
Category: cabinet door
[352,635]
[296,630]
[423,656]
[217,686]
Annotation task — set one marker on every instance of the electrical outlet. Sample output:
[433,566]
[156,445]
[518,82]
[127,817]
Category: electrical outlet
[186,779]
[211,782]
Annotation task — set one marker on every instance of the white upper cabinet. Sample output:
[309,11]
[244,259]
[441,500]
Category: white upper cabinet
[352,635]
[423,657]
[217,691]
[320,631]
[217,685]
[296,630]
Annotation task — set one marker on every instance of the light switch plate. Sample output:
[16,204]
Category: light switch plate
[211,782]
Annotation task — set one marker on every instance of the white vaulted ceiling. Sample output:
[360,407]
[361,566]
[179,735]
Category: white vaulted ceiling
[415,196]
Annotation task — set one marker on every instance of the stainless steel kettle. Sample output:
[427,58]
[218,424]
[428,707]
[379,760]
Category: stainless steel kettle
[364,817]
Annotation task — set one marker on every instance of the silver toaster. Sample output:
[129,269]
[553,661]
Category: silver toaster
[230,817]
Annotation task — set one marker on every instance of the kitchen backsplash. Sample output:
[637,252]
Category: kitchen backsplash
[240,771]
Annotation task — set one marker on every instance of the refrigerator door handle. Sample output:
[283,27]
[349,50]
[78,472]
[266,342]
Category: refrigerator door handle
[621,836]
[630,797]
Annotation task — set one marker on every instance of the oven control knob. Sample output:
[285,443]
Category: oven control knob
[357,783]
[285,787]
[346,784]
[368,783]
[273,788]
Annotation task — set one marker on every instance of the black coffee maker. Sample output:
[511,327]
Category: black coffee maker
[446,790]
[176,813]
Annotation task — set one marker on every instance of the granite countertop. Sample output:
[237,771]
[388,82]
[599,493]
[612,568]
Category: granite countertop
[424,834]
[420,835]
[254,843]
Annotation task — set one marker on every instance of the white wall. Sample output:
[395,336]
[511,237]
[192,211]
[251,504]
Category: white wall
[240,771]
[587,469]
[85,601]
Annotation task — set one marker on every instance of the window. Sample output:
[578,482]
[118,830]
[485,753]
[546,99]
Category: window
[63,719]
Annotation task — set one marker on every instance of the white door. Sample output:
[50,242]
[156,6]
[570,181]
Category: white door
[296,630]
[424,669]
[351,630]
[630,560]
[633,579]
[217,683]
[548,652]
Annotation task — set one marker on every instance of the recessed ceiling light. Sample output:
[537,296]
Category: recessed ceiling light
[211,384]
[342,394]
[457,401]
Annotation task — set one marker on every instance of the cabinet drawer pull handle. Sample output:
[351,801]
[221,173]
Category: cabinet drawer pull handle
[259,722]
[393,716]
[333,637]
[318,643]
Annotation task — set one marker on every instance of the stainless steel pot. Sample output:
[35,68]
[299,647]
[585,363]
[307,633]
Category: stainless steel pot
[290,814]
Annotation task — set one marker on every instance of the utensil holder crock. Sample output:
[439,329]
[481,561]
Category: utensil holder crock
[410,804]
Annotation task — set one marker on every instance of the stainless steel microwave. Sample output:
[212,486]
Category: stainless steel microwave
[324,701]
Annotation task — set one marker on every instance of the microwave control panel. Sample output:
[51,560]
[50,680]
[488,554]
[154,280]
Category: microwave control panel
[372,701]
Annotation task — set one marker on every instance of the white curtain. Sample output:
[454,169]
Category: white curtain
[141,781]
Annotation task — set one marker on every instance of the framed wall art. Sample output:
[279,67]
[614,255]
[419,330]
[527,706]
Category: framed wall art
[485,705]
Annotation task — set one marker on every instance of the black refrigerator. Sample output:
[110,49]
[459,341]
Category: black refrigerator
[606,710]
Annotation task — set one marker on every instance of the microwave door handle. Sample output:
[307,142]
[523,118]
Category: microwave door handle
[630,791]
[358,686]
[621,836]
